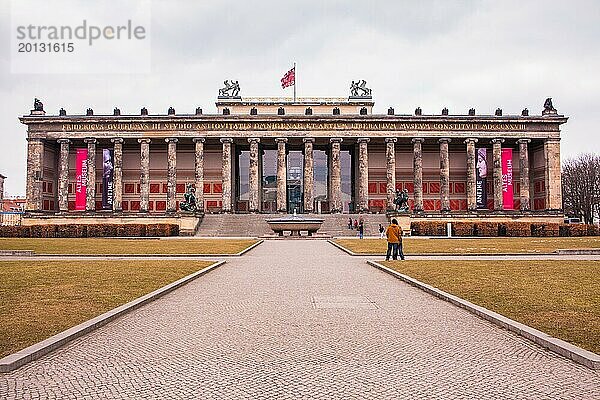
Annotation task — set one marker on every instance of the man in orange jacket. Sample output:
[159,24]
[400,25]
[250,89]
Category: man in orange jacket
[394,239]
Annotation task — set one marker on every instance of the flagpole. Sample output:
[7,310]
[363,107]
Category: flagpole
[294,82]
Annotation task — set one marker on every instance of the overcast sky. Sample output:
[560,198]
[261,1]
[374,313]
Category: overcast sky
[432,54]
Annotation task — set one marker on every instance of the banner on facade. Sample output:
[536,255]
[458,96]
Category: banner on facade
[107,179]
[480,183]
[80,179]
[507,179]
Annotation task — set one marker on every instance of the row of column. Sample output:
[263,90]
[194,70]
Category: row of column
[471,173]
[35,162]
[63,174]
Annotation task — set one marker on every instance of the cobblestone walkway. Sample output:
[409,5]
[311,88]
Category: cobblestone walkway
[300,320]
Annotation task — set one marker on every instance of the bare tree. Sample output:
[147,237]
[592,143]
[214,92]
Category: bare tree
[581,186]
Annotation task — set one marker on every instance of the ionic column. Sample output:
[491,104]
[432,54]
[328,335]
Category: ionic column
[524,173]
[144,174]
[335,200]
[281,175]
[118,174]
[497,157]
[63,175]
[553,178]
[418,173]
[171,174]
[471,175]
[309,178]
[199,173]
[363,175]
[444,174]
[90,192]
[253,175]
[226,172]
[390,171]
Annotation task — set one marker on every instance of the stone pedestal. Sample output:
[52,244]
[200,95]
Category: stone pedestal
[118,174]
[335,198]
[144,174]
[363,175]
[63,175]
[390,171]
[418,174]
[226,173]
[553,178]
[253,195]
[309,178]
[444,174]
[281,175]
[90,198]
[524,174]
[199,172]
[471,175]
[171,174]
[497,160]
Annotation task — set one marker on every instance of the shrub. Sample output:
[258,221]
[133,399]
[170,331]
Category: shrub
[517,229]
[428,228]
[544,229]
[487,229]
[89,230]
[463,229]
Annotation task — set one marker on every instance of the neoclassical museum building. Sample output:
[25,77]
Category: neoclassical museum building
[311,155]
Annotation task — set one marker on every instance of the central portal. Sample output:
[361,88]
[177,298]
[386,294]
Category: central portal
[295,168]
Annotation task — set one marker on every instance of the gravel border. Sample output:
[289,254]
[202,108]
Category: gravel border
[35,351]
[577,354]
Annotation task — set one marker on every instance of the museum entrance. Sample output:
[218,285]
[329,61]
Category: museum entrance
[294,185]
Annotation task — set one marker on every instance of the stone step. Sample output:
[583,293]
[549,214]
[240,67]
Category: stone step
[255,224]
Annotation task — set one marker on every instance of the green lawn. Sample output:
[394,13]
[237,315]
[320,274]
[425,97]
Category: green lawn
[39,299]
[528,245]
[561,298]
[127,246]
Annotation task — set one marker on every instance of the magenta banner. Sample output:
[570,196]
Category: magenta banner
[80,179]
[507,179]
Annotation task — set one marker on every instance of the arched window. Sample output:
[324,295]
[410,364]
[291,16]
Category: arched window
[281,111]
[253,111]
[336,111]
[363,111]
[226,111]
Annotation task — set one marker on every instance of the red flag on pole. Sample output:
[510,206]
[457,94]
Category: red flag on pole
[289,79]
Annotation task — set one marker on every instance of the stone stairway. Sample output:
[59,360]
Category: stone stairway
[255,225]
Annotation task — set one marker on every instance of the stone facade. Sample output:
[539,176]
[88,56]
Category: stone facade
[351,160]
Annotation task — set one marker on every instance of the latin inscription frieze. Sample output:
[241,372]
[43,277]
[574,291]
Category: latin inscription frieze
[241,126]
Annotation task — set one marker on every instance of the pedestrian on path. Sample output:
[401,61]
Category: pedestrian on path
[356,224]
[361,229]
[394,239]
[381,232]
[349,223]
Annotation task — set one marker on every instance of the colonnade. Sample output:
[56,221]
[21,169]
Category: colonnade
[551,155]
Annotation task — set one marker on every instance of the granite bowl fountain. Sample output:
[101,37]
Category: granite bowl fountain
[295,224]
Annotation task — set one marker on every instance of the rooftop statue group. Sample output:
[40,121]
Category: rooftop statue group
[548,107]
[231,89]
[359,89]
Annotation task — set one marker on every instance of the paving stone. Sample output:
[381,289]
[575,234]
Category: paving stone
[251,330]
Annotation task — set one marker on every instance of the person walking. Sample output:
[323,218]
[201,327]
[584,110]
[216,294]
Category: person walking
[361,229]
[356,224]
[394,239]
[349,223]
[381,232]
